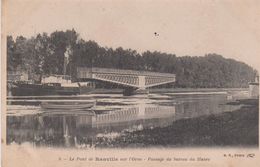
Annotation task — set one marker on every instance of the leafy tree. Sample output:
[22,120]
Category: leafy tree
[45,54]
[12,58]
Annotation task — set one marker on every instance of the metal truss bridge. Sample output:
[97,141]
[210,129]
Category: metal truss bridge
[129,78]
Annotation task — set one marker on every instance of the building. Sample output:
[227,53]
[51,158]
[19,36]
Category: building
[254,88]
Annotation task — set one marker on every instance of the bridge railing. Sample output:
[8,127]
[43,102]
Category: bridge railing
[87,71]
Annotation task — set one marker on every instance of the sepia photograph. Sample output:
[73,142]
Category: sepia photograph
[155,78]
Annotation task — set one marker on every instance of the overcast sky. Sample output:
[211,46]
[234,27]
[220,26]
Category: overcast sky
[184,27]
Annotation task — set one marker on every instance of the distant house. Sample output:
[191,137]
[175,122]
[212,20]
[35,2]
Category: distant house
[254,88]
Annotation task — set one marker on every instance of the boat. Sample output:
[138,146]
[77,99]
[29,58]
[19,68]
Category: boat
[31,89]
[48,84]
[67,106]
[51,85]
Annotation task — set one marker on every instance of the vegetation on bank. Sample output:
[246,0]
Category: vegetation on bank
[44,54]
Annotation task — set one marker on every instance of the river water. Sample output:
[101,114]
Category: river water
[111,116]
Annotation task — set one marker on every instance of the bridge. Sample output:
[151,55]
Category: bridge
[134,80]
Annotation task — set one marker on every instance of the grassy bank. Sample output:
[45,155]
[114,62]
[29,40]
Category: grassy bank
[237,128]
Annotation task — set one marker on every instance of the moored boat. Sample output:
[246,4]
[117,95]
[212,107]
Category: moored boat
[52,85]
[30,89]
[67,105]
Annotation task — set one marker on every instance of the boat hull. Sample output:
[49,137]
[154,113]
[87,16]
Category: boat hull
[41,90]
[66,106]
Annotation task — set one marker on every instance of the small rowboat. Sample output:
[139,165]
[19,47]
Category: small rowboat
[67,105]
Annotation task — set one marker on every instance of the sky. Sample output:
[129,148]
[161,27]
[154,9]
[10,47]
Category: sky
[183,27]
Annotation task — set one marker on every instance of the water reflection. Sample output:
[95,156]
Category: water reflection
[112,117]
[69,129]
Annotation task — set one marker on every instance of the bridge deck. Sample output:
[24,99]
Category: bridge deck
[122,72]
[130,78]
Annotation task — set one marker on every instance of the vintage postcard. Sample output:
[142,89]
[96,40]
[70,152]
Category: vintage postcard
[130,83]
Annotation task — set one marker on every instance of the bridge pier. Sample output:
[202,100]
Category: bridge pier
[132,91]
[128,91]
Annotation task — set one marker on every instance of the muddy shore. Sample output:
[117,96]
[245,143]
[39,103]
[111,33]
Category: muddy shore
[229,129]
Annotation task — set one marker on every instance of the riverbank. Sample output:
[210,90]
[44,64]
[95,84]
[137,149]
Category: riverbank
[171,90]
[182,90]
[236,129]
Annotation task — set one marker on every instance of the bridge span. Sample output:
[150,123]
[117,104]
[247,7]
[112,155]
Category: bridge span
[131,79]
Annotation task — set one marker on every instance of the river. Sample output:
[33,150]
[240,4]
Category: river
[111,116]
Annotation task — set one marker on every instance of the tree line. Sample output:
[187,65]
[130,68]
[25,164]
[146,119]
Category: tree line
[44,54]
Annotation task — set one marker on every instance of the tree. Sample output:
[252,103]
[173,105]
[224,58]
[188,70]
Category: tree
[12,58]
[44,54]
